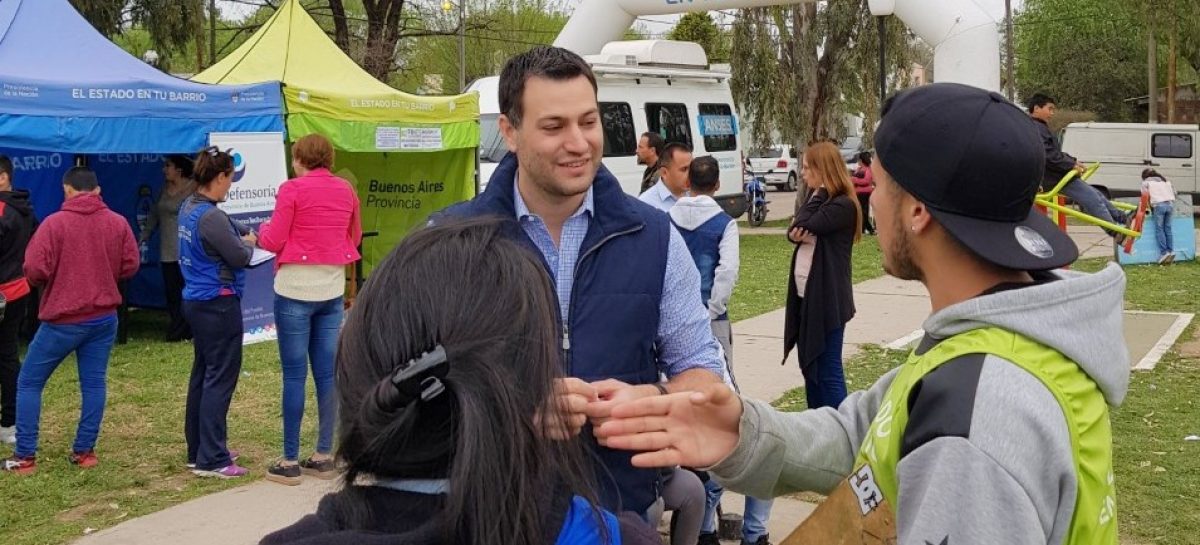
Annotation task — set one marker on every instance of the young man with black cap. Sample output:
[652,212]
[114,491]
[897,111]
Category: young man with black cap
[996,429]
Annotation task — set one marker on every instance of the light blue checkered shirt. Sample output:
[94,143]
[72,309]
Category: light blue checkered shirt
[685,339]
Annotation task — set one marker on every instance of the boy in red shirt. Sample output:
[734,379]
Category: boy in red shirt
[77,256]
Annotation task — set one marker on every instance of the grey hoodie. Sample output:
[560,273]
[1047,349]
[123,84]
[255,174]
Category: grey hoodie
[688,214]
[994,465]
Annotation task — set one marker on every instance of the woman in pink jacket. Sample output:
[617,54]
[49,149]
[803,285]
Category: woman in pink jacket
[315,230]
[864,184]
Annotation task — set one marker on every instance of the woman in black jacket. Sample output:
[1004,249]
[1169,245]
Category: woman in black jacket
[820,293]
[444,366]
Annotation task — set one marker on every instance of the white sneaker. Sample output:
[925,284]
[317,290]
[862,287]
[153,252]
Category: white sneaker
[8,435]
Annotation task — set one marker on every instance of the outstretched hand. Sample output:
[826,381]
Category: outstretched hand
[693,429]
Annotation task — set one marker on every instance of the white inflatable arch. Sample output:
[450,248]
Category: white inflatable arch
[964,36]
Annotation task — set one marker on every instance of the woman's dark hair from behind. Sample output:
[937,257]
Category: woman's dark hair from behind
[486,300]
[210,163]
[1151,173]
[182,163]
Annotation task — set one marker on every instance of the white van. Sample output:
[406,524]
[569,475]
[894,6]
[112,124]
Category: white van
[646,86]
[1125,149]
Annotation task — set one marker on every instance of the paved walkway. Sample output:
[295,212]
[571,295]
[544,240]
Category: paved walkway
[890,311]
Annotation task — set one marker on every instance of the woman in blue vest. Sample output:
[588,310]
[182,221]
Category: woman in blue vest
[438,389]
[820,293]
[214,251]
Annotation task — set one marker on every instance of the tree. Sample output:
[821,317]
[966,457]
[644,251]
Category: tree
[170,24]
[699,27]
[496,31]
[1092,54]
[802,67]
[383,32]
[341,30]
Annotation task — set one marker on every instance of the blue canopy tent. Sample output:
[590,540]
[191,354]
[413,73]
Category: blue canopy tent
[66,91]
[65,87]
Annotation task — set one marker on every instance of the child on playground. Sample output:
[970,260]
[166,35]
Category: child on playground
[1162,201]
[452,426]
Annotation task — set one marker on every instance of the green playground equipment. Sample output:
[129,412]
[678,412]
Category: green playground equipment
[1049,200]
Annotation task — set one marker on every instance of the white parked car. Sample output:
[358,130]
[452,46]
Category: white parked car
[779,165]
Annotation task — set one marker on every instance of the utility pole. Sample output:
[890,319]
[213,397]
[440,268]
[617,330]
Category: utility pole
[462,45]
[1172,74]
[1008,46]
[1152,74]
[201,33]
[212,32]
[882,61]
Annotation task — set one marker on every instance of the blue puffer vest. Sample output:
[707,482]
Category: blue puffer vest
[614,310]
[705,245]
[201,272]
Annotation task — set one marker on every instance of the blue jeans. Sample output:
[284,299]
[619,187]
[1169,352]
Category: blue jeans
[92,343]
[1092,202]
[754,520]
[824,380]
[308,333]
[1162,227]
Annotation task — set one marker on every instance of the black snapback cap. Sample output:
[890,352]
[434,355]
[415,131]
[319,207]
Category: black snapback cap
[976,161]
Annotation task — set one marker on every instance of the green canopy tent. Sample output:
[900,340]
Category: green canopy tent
[407,155]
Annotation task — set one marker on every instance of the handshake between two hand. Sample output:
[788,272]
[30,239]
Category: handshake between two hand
[695,428]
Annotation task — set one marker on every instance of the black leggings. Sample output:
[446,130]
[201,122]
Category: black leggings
[864,202]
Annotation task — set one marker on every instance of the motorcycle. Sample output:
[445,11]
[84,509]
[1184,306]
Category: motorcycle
[755,188]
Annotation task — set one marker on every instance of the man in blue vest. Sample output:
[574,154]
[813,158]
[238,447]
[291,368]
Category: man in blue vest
[712,237]
[628,292]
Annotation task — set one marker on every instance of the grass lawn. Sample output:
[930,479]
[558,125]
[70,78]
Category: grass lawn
[765,270]
[141,447]
[1155,469]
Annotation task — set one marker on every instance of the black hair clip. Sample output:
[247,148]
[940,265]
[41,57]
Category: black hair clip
[422,377]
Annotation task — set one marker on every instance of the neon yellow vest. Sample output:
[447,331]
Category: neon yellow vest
[874,481]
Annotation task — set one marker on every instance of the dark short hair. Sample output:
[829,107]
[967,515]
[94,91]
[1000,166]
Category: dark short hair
[655,141]
[550,62]
[1151,173]
[81,179]
[1038,100]
[865,158]
[210,163]
[669,152]
[6,166]
[183,163]
[704,174]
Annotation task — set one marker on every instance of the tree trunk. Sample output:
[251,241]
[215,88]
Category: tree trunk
[383,33]
[1172,75]
[201,38]
[1152,74]
[341,31]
